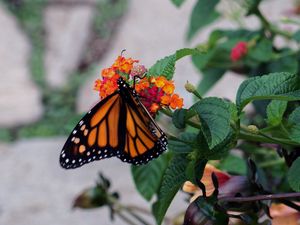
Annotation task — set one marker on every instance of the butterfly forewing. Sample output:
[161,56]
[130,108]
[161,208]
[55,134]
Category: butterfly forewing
[119,125]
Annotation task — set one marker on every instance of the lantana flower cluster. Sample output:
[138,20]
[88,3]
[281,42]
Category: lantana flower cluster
[155,92]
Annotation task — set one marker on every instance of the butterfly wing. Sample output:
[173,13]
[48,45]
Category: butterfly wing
[98,135]
[144,140]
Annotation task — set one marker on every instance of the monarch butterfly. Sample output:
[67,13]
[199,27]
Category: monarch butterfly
[119,125]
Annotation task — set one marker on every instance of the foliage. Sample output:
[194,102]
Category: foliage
[261,148]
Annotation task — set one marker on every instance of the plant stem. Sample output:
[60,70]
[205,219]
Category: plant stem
[268,26]
[139,209]
[136,216]
[258,138]
[261,197]
[271,163]
[125,218]
[262,137]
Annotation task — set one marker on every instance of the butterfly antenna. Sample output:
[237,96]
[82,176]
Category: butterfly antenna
[124,50]
[139,77]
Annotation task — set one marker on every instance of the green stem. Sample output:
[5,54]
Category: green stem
[271,163]
[268,26]
[264,139]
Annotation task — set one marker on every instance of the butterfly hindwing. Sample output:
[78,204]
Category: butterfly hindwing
[120,126]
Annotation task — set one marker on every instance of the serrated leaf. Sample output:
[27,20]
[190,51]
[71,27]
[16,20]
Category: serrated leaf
[203,14]
[275,111]
[147,178]
[166,66]
[188,51]
[220,150]
[294,130]
[173,179]
[293,175]
[280,86]
[178,3]
[215,117]
[183,144]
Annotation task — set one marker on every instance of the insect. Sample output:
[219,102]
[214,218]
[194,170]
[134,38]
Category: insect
[119,125]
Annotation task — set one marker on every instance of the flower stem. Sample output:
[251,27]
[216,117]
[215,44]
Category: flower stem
[260,197]
[125,218]
[271,163]
[268,26]
[136,216]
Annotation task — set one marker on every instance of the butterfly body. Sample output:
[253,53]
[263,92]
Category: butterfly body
[120,126]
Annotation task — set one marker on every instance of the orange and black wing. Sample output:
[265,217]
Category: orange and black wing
[98,135]
[144,140]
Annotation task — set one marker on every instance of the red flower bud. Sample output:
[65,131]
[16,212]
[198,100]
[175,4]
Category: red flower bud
[239,51]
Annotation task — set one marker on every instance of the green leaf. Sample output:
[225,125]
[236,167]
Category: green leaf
[166,66]
[188,51]
[280,86]
[203,14]
[220,150]
[296,36]
[183,144]
[195,169]
[178,118]
[294,120]
[234,164]
[147,178]
[263,51]
[178,3]
[287,63]
[275,111]
[214,116]
[173,179]
[293,175]
[210,77]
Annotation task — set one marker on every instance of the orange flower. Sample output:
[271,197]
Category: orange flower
[159,81]
[142,84]
[165,100]
[176,102]
[189,187]
[169,87]
[108,73]
[154,107]
[107,87]
[124,65]
[97,85]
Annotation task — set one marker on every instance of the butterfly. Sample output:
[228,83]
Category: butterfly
[119,125]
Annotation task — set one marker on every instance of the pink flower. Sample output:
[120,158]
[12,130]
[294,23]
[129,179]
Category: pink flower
[238,51]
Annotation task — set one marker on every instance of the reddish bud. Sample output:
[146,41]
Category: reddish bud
[239,51]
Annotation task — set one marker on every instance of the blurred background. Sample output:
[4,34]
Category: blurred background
[51,51]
